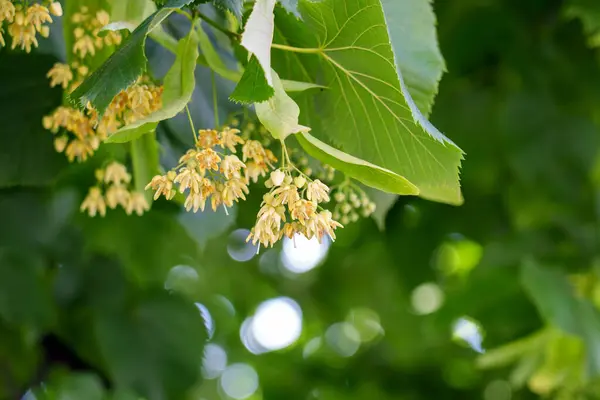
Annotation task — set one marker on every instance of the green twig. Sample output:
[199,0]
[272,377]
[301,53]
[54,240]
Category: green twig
[187,110]
[215,100]
[218,27]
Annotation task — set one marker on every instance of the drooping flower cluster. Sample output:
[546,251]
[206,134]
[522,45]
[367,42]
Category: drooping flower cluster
[351,200]
[292,207]
[112,190]
[86,32]
[212,170]
[24,20]
[79,133]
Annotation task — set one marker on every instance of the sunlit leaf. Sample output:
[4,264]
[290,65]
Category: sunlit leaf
[411,25]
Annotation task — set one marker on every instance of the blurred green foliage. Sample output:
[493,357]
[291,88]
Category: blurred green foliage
[109,308]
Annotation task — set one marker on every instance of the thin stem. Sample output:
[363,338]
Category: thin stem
[187,110]
[296,49]
[181,12]
[218,27]
[215,100]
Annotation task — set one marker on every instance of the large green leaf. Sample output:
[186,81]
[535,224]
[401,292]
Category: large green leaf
[148,246]
[411,25]
[124,66]
[154,346]
[367,110]
[556,302]
[24,292]
[234,6]
[27,155]
[179,84]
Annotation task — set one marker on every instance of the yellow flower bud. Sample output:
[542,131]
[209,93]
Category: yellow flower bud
[56,9]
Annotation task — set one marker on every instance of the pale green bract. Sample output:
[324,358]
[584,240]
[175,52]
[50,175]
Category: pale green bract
[258,34]
[280,113]
[179,84]
[368,111]
[361,170]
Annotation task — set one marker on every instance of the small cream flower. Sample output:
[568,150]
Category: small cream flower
[231,166]
[208,159]
[254,170]
[37,14]
[188,178]
[195,201]
[233,191]
[79,149]
[286,194]
[277,177]
[253,149]
[317,191]
[117,195]
[84,46]
[60,143]
[56,9]
[60,74]
[208,138]
[230,139]
[116,173]
[163,185]
[94,203]
[303,210]
[322,224]
[137,202]
[299,181]
[7,11]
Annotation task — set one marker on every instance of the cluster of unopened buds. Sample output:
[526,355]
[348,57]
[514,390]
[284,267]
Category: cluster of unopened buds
[24,20]
[292,207]
[351,201]
[212,170]
[87,32]
[112,190]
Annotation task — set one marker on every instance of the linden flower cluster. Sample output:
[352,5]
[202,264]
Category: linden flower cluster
[212,170]
[79,134]
[114,180]
[292,207]
[351,200]
[24,21]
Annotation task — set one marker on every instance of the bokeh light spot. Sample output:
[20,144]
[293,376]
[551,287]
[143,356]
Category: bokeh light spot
[183,279]
[458,257]
[312,346]
[215,361]
[343,338]
[209,322]
[237,247]
[366,322]
[300,254]
[239,381]
[427,298]
[277,323]
[467,331]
